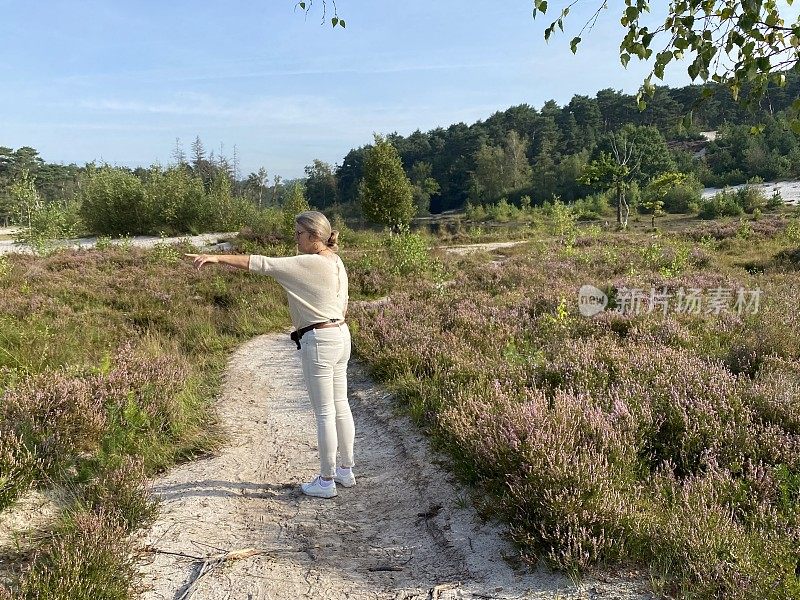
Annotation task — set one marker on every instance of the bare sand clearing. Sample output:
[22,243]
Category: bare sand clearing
[402,532]
[789,190]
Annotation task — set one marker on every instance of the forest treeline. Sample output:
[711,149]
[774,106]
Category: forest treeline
[520,152]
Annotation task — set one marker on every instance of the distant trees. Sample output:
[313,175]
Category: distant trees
[423,186]
[466,164]
[321,188]
[500,169]
[385,192]
[256,186]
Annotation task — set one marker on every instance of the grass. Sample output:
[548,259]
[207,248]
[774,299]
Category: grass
[670,441]
[665,440]
[108,362]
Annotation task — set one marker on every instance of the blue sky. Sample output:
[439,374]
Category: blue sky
[113,81]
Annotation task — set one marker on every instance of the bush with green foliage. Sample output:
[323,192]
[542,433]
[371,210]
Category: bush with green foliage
[684,197]
[751,197]
[593,206]
[408,254]
[114,202]
[723,204]
[176,201]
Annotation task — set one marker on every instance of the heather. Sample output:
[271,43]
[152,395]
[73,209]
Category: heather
[663,439]
[108,362]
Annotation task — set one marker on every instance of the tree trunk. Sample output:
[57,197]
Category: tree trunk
[623,210]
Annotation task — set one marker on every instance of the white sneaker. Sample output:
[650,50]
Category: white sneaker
[315,488]
[345,478]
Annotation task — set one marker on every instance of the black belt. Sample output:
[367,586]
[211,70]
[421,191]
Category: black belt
[297,334]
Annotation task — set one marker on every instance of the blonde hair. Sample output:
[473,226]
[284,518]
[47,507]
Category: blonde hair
[318,225]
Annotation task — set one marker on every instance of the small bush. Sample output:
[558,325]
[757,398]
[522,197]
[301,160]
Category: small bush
[476,212]
[683,198]
[408,254]
[595,206]
[722,204]
[750,197]
[114,202]
[89,560]
[122,494]
[775,200]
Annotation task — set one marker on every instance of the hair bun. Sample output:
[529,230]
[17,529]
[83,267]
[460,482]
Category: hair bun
[333,240]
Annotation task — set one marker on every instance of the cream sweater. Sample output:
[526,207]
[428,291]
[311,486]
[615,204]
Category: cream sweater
[315,285]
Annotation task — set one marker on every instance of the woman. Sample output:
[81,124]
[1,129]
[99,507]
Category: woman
[317,288]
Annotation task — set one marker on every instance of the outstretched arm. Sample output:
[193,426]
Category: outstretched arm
[241,261]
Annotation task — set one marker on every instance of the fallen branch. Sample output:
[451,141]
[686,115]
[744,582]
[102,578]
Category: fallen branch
[211,562]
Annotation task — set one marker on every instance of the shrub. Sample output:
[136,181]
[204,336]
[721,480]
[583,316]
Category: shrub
[751,197]
[114,202]
[594,206]
[775,200]
[121,494]
[683,198]
[294,205]
[89,559]
[408,254]
[502,211]
[476,212]
[722,204]
[17,467]
[176,201]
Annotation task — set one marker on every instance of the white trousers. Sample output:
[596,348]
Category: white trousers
[325,353]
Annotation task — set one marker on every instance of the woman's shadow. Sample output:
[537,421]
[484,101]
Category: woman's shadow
[227,489]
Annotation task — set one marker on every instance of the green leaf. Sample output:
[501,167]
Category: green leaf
[341,22]
[574,44]
[334,21]
[796,126]
[302,5]
[631,13]
[688,120]
[625,59]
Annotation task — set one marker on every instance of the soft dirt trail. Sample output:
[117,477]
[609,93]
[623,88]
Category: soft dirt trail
[403,514]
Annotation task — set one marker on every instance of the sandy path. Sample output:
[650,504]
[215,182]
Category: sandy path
[210,241]
[403,512]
